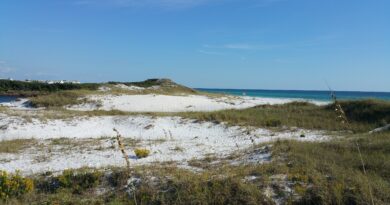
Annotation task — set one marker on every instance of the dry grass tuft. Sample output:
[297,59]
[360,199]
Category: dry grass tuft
[15,146]
[141,152]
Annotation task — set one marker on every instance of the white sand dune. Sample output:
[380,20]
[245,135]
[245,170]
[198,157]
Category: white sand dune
[169,103]
[170,139]
[162,135]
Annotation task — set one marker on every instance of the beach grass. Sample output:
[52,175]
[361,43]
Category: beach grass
[335,172]
[366,111]
[364,115]
[60,98]
[15,146]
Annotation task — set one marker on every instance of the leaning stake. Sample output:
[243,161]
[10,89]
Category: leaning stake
[122,148]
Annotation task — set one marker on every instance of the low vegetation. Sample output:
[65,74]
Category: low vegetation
[170,186]
[15,146]
[8,87]
[149,83]
[332,173]
[59,99]
[366,111]
[364,115]
[300,173]
[77,182]
[14,185]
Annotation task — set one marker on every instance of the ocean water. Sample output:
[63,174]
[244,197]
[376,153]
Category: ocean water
[6,99]
[301,94]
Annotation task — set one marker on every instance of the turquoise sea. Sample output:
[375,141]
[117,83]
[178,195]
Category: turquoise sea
[301,94]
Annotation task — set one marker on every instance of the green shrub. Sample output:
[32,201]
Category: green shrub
[14,185]
[118,178]
[78,181]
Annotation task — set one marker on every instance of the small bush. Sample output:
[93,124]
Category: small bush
[141,153]
[118,178]
[14,185]
[47,185]
[79,181]
[57,99]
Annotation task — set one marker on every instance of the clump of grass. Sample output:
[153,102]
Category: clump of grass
[66,144]
[141,152]
[15,146]
[79,181]
[58,99]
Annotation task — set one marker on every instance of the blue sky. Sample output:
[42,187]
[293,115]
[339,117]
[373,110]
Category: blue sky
[259,44]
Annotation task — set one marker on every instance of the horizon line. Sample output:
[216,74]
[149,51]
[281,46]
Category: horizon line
[255,89]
